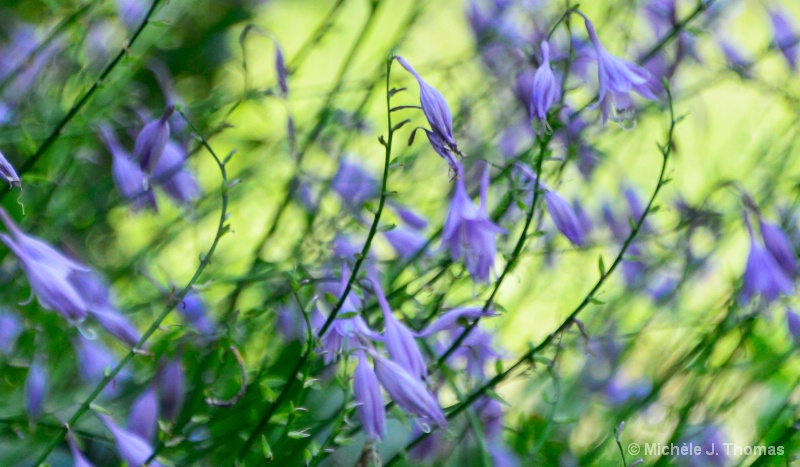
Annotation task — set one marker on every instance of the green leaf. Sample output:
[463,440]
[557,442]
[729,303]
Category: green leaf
[601,265]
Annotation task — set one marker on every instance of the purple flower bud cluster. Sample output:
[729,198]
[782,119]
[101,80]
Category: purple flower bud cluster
[771,264]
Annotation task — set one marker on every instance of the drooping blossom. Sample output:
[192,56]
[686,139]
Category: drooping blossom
[564,217]
[194,311]
[78,459]
[8,173]
[616,79]
[763,275]
[131,447]
[143,420]
[47,270]
[367,393]
[399,340]
[172,383]
[35,389]
[94,359]
[175,179]
[785,37]
[456,317]
[545,90]
[793,324]
[780,246]
[10,329]
[736,60]
[410,217]
[407,391]
[95,293]
[435,108]
[354,185]
[152,140]
[468,233]
[280,71]
[129,178]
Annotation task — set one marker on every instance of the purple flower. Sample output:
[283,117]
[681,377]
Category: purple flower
[456,317]
[35,389]
[564,217]
[793,324]
[94,359]
[152,140]
[477,350]
[469,233]
[763,275]
[779,244]
[399,340]
[367,393]
[117,325]
[194,312]
[173,176]
[79,460]
[280,70]
[545,90]
[10,329]
[735,59]
[785,37]
[131,447]
[407,391]
[438,144]
[7,171]
[47,270]
[435,108]
[406,242]
[410,217]
[129,178]
[173,389]
[616,79]
[354,185]
[143,420]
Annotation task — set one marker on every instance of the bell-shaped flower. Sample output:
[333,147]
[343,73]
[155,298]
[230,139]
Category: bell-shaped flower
[785,37]
[399,340]
[763,275]
[35,389]
[564,217]
[78,459]
[457,317]
[406,242]
[280,71]
[435,108]
[793,324]
[616,79]
[143,420]
[173,389]
[8,173]
[367,393]
[407,391]
[94,359]
[354,185]
[410,217]
[193,310]
[172,175]
[439,145]
[129,178]
[468,232]
[779,244]
[545,90]
[10,329]
[152,140]
[117,325]
[131,447]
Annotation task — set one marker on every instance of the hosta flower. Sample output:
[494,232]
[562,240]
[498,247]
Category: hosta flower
[7,172]
[406,242]
[399,340]
[129,178]
[468,233]
[354,185]
[47,270]
[435,108]
[173,389]
[35,389]
[407,391]
[367,393]
[10,329]
[456,317]
[763,275]
[172,175]
[785,37]
[545,91]
[152,140]
[193,310]
[780,246]
[143,420]
[94,359]
[564,217]
[616,79]
[131,447]
[793,324]
[280,71]
[78,459]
